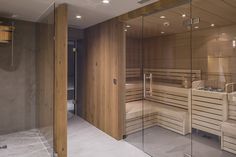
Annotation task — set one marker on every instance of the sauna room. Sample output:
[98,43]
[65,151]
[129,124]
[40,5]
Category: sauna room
[180,80]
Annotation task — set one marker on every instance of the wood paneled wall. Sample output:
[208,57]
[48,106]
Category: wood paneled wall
[104,77]
[212,52]
[167,52]
[60,81]
[133,52]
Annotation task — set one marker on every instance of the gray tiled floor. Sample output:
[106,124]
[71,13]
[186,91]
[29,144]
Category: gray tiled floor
[160,142]
[84,140]
[24,144]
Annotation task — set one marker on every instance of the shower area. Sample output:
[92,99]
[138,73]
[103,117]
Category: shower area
[180,80]
[27,87]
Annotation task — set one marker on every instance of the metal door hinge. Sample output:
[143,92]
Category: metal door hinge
[74,50]
[3,147]
[192,21]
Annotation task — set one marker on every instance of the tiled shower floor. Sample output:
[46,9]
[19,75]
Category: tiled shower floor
[24,144]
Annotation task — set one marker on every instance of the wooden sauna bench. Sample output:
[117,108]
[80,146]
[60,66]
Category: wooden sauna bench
[167,108]
[228,127]
[208,110]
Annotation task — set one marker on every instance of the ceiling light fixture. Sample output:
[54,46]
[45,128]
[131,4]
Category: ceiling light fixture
[212,25]
[234,43]
[128,26]
[162,32]
[196,27]
[78,16]
[105,1]
[162,17]
[183,15]
[125,30]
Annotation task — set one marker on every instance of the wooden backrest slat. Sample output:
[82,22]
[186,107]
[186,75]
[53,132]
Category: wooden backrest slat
[172,74]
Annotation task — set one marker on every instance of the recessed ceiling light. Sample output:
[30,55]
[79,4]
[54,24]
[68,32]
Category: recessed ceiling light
[212,25]
[162,17]
[128,26]
[162,32]
[78,16]
[106,1]
[125,30]
[196,27]
[183,15]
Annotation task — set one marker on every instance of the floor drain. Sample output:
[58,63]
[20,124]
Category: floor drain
[3,147]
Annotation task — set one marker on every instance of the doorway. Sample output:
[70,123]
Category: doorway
[72,77]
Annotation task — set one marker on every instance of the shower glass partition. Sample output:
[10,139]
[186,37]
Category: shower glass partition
[26,93]
[45,56]
[180,80]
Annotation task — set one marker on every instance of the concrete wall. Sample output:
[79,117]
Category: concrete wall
[17,81]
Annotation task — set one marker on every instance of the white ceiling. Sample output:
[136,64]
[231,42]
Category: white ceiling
[92,11]
[29,10]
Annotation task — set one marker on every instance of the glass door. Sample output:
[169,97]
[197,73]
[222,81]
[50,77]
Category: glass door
[133,129]
[167,82]
[72,70]
[158,82]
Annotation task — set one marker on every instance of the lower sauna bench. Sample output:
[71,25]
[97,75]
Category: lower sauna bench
[228,136]
[169,117]
[207,110]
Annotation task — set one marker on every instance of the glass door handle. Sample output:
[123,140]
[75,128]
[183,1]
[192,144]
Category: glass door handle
[144,85]
[147,77]
[150,84]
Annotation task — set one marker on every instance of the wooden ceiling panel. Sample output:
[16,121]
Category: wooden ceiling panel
[218,12]
[217,8]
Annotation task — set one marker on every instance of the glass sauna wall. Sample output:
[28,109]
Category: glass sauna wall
[213,96]
[180,80]
[26,99]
